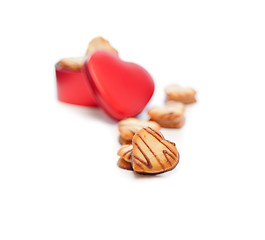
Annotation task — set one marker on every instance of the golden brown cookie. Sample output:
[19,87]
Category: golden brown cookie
[73,63]
[76,63]
[169,116]
[180,94]
[125,152]
[124,141]
[128,127]
[124,164]
[152,154]
[99,43]
[177,123]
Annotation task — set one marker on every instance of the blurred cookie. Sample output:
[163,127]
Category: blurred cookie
[99,43]
[124,164]
[73,63]
[124,141]
[128,127]
[169,116]
[76,63]
[152,154]
[125,152]
[177,123]
[180,94]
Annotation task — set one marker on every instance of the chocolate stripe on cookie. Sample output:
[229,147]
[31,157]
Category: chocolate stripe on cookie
[148,164]
[158,160]
[152,153]
[152,133]
[127,154]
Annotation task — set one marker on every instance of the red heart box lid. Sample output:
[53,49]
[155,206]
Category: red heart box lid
[122,89]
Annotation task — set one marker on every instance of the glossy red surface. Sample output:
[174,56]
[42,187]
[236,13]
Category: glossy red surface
[72,87]
[121,89]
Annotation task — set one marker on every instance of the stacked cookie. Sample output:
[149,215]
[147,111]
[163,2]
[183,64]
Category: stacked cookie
[125,154]
[144,149]
[171,115]
[150,153]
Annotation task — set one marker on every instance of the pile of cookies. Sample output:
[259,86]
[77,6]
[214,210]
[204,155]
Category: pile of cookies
[144,149]
[76,63]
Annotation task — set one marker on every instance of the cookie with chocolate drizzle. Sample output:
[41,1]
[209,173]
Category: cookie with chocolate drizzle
[180,94]
[152,153]
[125,154]
[169,116]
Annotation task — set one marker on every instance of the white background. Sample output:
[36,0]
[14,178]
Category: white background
[58,173]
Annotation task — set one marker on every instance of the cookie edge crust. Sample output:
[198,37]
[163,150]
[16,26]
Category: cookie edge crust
[155,172]
[121,163]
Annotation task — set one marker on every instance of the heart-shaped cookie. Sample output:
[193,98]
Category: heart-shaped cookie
[169,116]
[121,89]
[180,94]
[152,154]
